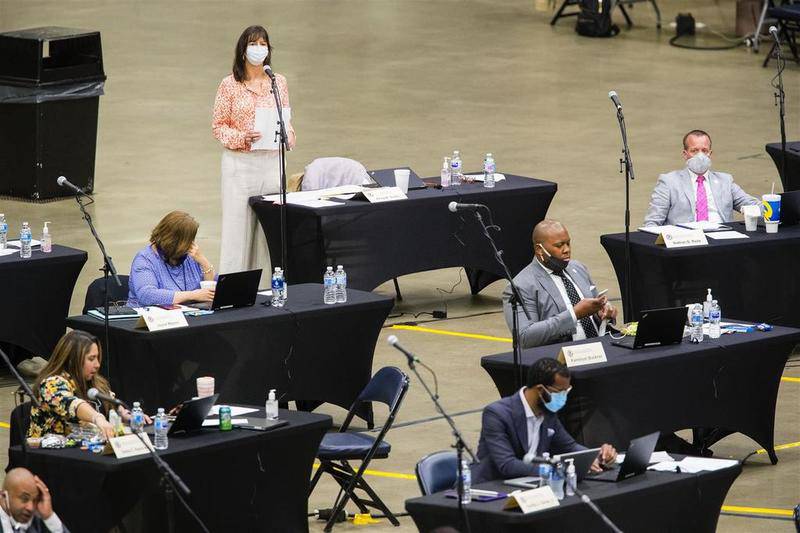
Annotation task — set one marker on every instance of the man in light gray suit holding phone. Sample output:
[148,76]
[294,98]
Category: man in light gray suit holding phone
[557,292]
[696,193]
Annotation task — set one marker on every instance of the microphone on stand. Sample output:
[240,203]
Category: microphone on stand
[95,394]
[394,342]
[268,72]
[455,207]
[64,182]
[615,99]
[774,31]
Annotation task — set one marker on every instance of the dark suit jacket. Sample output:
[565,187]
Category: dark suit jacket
[37,526]
[504,441]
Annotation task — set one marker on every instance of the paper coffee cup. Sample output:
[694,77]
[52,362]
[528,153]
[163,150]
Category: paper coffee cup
[751,222]
[210,284]
[772,207]
[401,179]
[205,386]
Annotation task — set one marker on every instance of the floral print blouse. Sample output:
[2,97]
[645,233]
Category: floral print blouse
[59,406]
[235,109]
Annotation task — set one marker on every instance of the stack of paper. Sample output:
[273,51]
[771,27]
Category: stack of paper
[657,230]
[693,465]
[721,235]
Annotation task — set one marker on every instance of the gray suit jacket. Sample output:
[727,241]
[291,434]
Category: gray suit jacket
[504,441]
[551,321]
[37,526]
[673,202]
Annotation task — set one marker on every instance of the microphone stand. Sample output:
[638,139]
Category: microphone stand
[515,301]
[280,134]
[26,391]
[593,506]
[460,444]
[780,101]
[108,269]
[626,165]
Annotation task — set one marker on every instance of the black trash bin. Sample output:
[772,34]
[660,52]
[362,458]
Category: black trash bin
[51,79]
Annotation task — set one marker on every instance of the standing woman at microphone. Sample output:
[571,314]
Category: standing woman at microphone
[246,171]
[63,385]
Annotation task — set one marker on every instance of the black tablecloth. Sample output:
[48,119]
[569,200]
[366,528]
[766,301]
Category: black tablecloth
[652,502]
[754,279]
[240,480]
[791,181]
[729,383]
[35,296]
[378,242]
[306,350]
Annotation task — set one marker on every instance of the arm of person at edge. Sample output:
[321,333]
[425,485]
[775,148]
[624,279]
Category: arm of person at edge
[536,331]
[658,209]
[496,435]
[741,198]
[44,508]
[562,442]
[145,283]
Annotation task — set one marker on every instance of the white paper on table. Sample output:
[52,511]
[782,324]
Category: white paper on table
[319,194]
[235,411]
[704,225]
[656,457]
[315,203]
[700,464]
[479,177]
[8,251]
[723,235]
[656,230]
[266,124]
[15,243]
[665,466]
[211,422]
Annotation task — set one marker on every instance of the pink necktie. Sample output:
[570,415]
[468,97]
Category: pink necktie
[702,200]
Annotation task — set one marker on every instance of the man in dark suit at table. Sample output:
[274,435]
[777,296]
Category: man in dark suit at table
[26,506]
[696,193]
[526,424]
[558,293]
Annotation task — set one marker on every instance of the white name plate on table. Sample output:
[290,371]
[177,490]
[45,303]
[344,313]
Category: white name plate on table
[129,446]
[582,354]
[682,238]
[155,319]
[533,500]
[384,194]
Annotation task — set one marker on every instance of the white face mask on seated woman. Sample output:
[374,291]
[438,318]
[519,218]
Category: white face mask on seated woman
[256,54]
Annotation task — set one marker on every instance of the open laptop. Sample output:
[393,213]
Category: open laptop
[657,327]
[191,415]
[790,208]
[385,178]
[583,462]
[637,458]
[237,289]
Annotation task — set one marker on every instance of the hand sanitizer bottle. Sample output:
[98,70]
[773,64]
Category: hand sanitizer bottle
[707,304]
[47,241]
[271,407]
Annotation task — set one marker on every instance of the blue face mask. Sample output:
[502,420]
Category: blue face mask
[557,401]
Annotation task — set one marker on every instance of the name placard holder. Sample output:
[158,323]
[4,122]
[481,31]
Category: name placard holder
[155,319]
[582,354]
[384,194]
[533,500]
[128,446]
[682,238]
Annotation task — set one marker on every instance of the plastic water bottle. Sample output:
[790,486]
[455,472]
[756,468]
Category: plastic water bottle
[47,240]
[25,241]
[697,323]
[137,418]
[557,481]
[466,482]
[277,287]
[714,319]
[445,181]
[572,479]
[271,407]
[456,169]
[329,283]
[341,285]
[3,232]
[544,470]
[284,286]
[488,171]
[161,427]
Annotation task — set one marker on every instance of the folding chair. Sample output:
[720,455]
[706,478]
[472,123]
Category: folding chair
[621,4]
[437,471]
[389,385]
[788,17]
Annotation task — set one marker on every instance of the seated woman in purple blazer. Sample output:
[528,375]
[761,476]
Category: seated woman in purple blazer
[169,270]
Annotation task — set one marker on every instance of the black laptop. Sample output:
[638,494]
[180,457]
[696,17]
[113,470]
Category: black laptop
[657,327]
[237,289]
[637,458]
[790,208]
[191,415]
[385,178]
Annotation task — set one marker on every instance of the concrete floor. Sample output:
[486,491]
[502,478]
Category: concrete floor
[404,83]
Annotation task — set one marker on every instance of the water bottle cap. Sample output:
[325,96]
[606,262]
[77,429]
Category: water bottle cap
[136,404]
[161,410]
[330,269]
[340,267]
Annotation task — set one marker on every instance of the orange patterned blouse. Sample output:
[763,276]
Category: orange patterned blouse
[235,109]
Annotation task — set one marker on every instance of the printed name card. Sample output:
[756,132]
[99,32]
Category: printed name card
[582,354]
[129,446]
[155,319]
[533,500]
[384,194]
[682,238]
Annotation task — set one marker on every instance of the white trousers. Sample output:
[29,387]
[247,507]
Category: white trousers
[243,245]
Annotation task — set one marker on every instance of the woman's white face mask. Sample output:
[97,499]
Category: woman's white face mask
[256,54]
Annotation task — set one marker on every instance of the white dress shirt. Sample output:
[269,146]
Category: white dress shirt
[9,524]
[534,423]
[713,212]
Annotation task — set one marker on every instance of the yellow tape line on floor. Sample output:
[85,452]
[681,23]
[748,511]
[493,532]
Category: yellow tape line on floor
[757,510]
[4,425]
[782,447]
[793,380]
[378,473]
[453,333]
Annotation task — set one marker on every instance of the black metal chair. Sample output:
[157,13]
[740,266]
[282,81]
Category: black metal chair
[621,4]
[388,386]
[437,471]
[788,19]
[95,294]
[19,423]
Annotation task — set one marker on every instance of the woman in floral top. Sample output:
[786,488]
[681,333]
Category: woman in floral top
[63,384]
[246,171]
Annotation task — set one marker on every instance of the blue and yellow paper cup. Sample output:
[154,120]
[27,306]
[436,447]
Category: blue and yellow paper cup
[772,207]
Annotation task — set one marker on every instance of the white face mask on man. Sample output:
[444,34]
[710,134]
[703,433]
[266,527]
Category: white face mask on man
[699,163]
[256,54]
